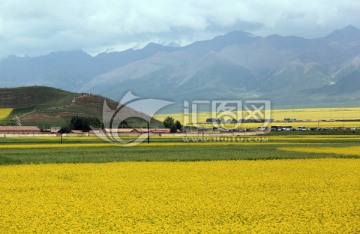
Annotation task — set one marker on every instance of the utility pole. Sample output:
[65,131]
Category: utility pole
[148,132]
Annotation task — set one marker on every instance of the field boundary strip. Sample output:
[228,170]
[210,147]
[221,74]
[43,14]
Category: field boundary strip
[351,150]
[95,145]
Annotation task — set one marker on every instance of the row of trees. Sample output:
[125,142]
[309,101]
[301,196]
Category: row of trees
[84,123]
[173,124]
[81,123]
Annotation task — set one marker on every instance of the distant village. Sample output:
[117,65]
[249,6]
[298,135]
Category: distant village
[34,130]
[214,124]
[210,125]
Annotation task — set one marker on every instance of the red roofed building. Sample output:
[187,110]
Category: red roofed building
[122,130]
[19,130]
[160,130]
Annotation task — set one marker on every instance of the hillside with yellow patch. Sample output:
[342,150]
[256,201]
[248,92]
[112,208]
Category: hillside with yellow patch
[5,112]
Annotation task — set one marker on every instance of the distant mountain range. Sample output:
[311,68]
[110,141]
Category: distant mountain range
[291,71]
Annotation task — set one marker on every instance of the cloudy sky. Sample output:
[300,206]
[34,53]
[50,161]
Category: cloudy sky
[36,27]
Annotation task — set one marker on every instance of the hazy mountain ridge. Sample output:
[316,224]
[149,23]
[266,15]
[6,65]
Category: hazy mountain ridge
[286,69]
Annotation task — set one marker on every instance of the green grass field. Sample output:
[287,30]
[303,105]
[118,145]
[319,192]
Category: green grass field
[92,149]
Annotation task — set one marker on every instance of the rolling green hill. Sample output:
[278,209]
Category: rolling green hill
[50,107]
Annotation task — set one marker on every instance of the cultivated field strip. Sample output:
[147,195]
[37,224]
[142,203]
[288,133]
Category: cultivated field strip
[279,196]
[353,150]
[313,114]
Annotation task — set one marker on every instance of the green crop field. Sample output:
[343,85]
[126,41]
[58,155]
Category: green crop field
[28,150]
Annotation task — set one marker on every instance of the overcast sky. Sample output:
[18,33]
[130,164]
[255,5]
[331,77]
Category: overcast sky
[36,27]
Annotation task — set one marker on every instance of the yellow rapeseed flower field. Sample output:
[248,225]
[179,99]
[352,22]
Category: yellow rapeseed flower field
[313,114]
[334,124]
[352,150]
[330,138]
[5,112]
[274,196]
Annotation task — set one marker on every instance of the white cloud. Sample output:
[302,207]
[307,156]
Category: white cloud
[40,26]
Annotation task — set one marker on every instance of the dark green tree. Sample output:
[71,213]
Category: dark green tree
[173,129]
[169,122]
[77,123]
[83,123]
[64,130]
[178,125]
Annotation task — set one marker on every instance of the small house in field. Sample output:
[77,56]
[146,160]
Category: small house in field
[54,129]
[123,130]
[141,130]
[97,131]
[262,128]
[19,130]
[160,130]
